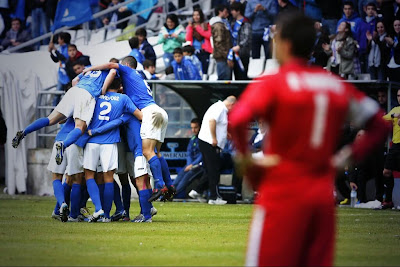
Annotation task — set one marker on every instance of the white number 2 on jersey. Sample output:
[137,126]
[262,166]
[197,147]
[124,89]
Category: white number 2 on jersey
[104,112]
[321,102]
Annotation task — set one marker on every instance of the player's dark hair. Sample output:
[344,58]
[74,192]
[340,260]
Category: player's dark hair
[188,49]
[141,32]
[195,120]
[237,6]
[299,30]
[174,18]
[348,3]
[220,8]
[131,61]
[116,83]
[169,70]
[371,4]
[72,45]
[148,63]
[65,36]
[198,9]
[178,50]
[134,42]
[114,60]
[77,63]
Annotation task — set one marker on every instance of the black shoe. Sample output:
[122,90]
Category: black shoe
[60,152]
[158,193]
[171,193]
[17,139]
[64,212]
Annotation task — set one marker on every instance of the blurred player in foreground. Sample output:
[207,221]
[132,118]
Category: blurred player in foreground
[305,107]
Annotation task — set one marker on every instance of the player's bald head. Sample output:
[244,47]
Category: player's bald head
[230,102]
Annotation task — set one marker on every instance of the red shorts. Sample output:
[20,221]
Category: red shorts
[293,225]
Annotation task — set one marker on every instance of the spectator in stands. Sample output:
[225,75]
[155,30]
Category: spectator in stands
[220,30]
[60,55]
[75,56]
[188,53]
[112,17]
[134,44]
[331,13]
[142,7]
[40,23]
[184,69]
[262,14]
[192,169]
[149,70]
[78,67]
[144,47]
[198,33]
[358,31]
[212,138]
[239,54]
[16,36]
[378,53]
[394,61]
[286,5]
[319,57]
[171,35]
[95,7]
[342,51]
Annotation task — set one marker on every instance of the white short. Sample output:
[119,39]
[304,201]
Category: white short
[79,103]
[148,130]
[107,154]
[53,167]
[141,167]
[75,159]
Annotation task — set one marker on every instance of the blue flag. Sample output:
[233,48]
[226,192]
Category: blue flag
[71,13]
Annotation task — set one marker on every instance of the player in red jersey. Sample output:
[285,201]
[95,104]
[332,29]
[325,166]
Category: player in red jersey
[305,107]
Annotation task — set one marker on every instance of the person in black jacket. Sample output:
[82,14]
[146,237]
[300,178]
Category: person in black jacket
[144,47]
[74,55]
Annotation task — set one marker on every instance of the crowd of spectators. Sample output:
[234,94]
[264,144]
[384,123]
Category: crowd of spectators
[354,37]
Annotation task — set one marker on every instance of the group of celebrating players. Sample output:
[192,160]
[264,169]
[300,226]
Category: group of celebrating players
[89,143]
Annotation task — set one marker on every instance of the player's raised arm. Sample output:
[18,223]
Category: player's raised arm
[105,66]
[109,79]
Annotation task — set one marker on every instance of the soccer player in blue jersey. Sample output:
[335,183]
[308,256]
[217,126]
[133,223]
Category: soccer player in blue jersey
[141,179]
[154,123]
[79,102]
[103,147]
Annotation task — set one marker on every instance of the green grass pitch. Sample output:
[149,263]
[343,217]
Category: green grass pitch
[182,234]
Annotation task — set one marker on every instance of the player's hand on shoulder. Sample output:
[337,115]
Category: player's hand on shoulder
[90,132]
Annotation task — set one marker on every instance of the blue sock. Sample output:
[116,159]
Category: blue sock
[155,167]
[144,196]
[72,137]
[36,125]
[94,193]
[67,193]
[117,198]
[75,200]
[108,198]
[165,171]
[57,209]
[58,192]
[150,192]
[101,193]
[126,197]
[84,196]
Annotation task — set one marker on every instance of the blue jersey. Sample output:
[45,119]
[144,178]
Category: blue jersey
[109,107]
[93,81]
[68,126]
[135,87]
[132,131]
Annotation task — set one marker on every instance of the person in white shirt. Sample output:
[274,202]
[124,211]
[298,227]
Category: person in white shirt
[212,138]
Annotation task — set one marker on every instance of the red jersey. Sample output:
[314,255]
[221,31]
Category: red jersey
[305,108]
